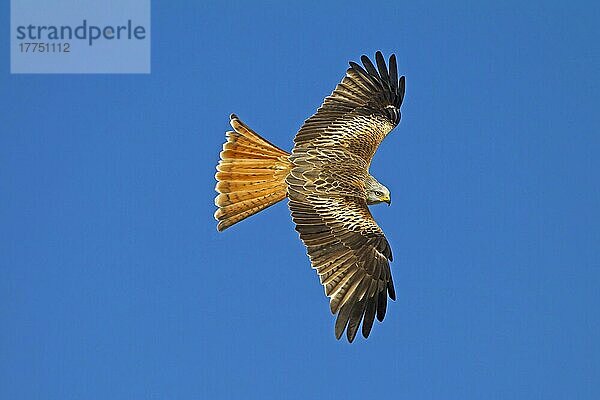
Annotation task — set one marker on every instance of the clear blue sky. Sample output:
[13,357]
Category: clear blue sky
[116,285]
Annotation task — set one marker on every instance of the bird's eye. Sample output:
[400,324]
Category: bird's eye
[378,193]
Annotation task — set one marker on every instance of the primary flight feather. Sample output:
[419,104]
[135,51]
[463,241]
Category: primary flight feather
[326,178]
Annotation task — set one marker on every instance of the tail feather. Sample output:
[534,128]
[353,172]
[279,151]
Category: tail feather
[245,169]
[239,204]
[242,176]
[250,175]
[237,186]
[239,142]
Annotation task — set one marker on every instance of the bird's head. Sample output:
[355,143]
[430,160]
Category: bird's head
[376,192]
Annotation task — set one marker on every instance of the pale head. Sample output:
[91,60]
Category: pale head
[376,192]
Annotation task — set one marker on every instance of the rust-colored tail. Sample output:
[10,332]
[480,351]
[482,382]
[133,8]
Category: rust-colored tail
[250,175]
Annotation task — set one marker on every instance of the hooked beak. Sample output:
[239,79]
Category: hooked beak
[388,201]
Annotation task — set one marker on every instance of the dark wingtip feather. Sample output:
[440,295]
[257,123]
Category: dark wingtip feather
[356,316]
[361,71]
[393,68]
[357,67]
[233,116]
[381,305]
[338,332]
[369,317]
[342,320]
[384,77]
[402,87]
[383,69]
[369,66]
[391,289]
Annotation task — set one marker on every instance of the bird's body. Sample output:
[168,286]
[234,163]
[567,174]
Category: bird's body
[327,181]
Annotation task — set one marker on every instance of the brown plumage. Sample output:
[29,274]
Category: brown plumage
[327,181]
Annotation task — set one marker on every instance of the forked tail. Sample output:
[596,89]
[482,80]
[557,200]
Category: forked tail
[250,175]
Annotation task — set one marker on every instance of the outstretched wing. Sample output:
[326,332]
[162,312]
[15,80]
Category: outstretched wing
[331,158]
[360,112]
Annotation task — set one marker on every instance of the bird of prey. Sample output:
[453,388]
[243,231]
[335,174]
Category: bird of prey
[327,181]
